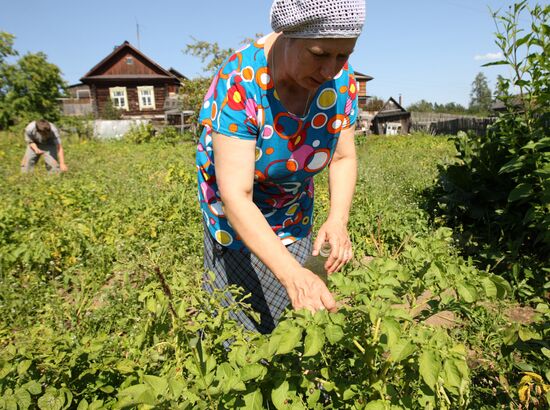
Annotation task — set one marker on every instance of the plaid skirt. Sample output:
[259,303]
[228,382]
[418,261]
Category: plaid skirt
[265,293]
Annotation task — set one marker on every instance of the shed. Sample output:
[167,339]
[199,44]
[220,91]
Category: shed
[392,119]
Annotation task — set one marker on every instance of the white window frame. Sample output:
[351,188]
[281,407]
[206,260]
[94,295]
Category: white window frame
[142,104]
[113,91]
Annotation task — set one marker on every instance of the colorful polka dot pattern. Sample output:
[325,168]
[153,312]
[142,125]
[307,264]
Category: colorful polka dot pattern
[242,102]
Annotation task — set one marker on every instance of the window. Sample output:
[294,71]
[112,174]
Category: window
[119,97]
[82,94]
[146,96]
[129,60]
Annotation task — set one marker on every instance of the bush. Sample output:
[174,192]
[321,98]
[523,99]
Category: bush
[140,134]
[169,135]
[499,190]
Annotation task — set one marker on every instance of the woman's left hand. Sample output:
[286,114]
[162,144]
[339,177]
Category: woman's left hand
[336,233]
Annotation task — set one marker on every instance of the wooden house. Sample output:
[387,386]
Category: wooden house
[133,82]
[392,119]
[362,95]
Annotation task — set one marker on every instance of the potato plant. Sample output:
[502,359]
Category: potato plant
[102,306]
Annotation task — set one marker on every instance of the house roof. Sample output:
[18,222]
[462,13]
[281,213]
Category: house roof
[391,108]
[177,74]
[361,76]
[96,72]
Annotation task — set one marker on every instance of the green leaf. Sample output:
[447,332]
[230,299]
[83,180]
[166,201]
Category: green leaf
[400,350]
[452,377]
[252,371]
[521,191]
[429,367]
[526,334]
[502,62]
[159,384]
[334,333]
[391,331]
[49,401]
[467,292]
[314,341]
[279,395]
[489,287]
[23,366]
[290,341]
[33,387]
[349,393]
[137,394]
[23,398]
[125,366]
[254,400]
[83,405]
[375,405]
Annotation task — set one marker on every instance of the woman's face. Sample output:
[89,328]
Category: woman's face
[311,62]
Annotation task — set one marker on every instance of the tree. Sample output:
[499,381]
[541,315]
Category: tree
[6,50]
[374,104]
[6,45]
[29,88]
[421,106]
[210,53]
[480,96]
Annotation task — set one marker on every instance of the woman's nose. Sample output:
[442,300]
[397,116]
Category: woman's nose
[329,70]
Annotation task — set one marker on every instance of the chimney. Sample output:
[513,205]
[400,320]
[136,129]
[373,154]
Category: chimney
[400,100]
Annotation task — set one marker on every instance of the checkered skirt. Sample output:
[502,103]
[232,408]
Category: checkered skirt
[266,294]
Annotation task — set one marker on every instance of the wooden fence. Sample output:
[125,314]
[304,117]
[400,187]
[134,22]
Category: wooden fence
[437,124]
[76,108]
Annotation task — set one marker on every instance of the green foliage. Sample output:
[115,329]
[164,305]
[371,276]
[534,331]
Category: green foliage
[80,126]
[102,304]
[171,135]
[192,94]
[480,96]
[499,190]
[210,54]
[449,108]
[109,111]
[30,88]
[6,45]
[374,104]
[141,133]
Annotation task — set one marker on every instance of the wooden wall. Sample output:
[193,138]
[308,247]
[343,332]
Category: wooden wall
[101,95]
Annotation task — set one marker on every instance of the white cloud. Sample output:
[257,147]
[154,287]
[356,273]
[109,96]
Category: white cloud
[488,56]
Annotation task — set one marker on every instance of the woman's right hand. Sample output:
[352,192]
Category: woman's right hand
[307,291]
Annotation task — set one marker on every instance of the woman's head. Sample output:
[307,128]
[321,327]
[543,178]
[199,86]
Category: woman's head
[311,62]
[318,18]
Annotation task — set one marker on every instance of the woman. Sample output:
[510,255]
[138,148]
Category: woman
[278,112]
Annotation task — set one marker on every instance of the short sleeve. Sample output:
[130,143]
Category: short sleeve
[56,134]
[28,133]
[230,107]
[352,105]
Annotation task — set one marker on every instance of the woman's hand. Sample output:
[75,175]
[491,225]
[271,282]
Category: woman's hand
[307,291]
[336,233]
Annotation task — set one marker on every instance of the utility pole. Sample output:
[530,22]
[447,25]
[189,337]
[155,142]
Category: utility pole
[137,29]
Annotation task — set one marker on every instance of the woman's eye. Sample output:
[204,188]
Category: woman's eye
[316,54]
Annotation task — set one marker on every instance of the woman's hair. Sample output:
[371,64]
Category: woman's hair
[318,18]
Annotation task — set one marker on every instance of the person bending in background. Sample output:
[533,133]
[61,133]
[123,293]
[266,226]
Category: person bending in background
[43,140]
[279,111]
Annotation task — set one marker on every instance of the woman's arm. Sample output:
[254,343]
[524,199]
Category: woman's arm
[235,161]
[342,179]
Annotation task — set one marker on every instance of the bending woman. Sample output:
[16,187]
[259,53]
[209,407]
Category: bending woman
[277,113]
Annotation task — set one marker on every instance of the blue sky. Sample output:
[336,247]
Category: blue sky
[423,49]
